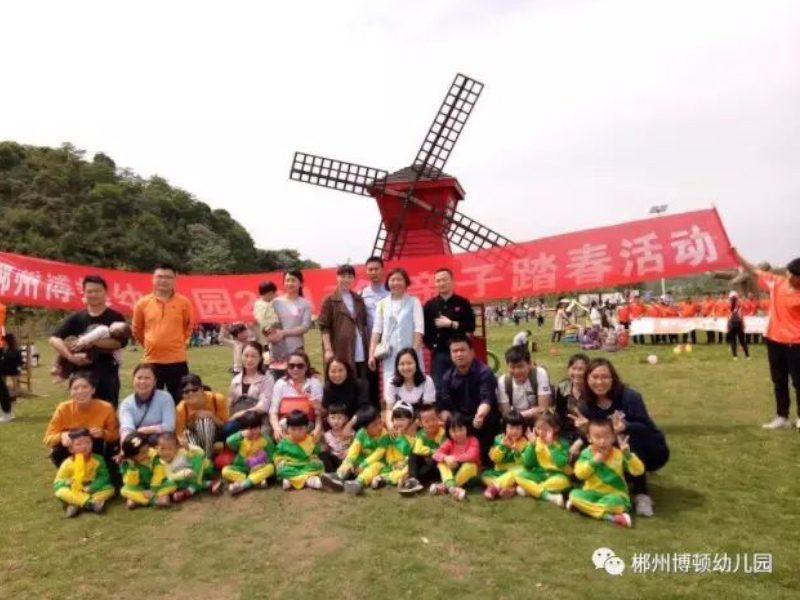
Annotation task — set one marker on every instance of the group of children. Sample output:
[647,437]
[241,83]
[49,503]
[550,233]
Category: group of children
[423,453]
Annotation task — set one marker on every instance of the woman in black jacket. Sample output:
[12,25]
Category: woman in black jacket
[607,397]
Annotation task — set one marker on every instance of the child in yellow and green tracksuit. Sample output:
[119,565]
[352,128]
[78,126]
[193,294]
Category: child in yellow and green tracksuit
[143,477]
[82,481]
[602,468]
[364,460]
[297,455]
[187,468]
[422,469]
[506,454]
[458,458]
[399,447]
[545,473]
[252,465]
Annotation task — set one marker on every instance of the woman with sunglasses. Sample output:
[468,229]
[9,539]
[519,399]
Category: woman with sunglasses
[200,416]
[300,390]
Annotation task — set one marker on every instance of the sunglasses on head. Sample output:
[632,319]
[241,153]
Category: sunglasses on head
[190,390]
[296,365]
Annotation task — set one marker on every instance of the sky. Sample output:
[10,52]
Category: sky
[592,111]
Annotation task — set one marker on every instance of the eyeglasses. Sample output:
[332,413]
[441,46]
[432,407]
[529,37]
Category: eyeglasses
[296,365]
[190,390]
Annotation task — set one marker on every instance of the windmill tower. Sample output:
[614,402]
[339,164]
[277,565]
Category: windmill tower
[418,204]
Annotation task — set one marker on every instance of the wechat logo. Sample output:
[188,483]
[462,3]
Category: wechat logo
[604,558]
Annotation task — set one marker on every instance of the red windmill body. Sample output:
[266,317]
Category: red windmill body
[418,204]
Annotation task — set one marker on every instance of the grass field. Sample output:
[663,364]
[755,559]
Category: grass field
[729,488]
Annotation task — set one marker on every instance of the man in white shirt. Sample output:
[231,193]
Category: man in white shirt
[526,387]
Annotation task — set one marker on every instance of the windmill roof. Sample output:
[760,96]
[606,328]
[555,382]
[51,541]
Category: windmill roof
[410,174]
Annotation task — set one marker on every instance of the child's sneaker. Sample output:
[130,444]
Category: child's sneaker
[410,486]
[71,511]
[264,484]
[314,482]
[287,485]
[131,504]
[181,495]
[216,487]
[97,507]
[568,505]
[521,491]
[623,520]
[491,492]
[458,493]
[236,488]
[332,481]
[353,487]
[162,501]
[377,483]
[438,489]
[6,417]
[507,493]
[556,499]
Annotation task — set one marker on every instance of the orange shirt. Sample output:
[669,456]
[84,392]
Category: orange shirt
[722,308]
[763,305]
[748,307]
[651,310]
[707,308]
[68,415]
[213,403]
[624,313]
[688,309]
[163,327]
[784,308]
[637,310]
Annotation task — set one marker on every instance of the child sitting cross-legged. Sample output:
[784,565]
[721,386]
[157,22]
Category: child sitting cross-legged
[364,460]
[422,469]
[297,455]
[399,447]
[506,454]
[252,465]
[187,469]
[545,473]
[602,468]
[143,476]
[337,439]
[458,458]
[82,481]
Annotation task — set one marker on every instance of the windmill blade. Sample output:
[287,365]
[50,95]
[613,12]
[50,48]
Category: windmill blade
[447,126]
[337,174]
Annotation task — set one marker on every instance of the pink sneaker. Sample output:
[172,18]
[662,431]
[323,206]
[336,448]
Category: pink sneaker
[491,492]
[623,520]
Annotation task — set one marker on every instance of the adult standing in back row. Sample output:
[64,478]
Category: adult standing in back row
[162,324]
[372,294]
[343,323]
[294,313]
[446,314]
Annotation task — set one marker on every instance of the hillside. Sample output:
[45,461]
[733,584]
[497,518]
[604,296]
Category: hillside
[56,204]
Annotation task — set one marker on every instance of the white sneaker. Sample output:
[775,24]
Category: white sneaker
[6,417]
[556,499]
[314,482]
[776,423]
[287,485]
[644,505]
[797,425]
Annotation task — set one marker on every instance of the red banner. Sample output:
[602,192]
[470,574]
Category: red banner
[667,246]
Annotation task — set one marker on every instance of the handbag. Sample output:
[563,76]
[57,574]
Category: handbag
[384,349]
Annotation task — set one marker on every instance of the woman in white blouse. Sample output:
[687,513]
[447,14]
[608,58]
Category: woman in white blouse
[399,323]
[301,390]
[409,384]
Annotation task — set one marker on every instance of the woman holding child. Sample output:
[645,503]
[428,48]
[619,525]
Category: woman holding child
[606,397]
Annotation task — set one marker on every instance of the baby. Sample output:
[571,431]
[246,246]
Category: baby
[82,347]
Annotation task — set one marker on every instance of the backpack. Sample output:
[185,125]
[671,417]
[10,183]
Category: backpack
[532,377]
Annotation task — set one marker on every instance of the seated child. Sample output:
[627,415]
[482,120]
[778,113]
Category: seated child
[83,347]
[297,460]
[364,460]
[399,448]
[546,463]
[251,465]
[187,469]
[458,459]
[143,477]
[602,468]
[82,481]
[421,466]
[337,440]
[506,454]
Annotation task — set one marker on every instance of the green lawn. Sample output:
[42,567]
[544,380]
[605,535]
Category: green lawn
[729,488]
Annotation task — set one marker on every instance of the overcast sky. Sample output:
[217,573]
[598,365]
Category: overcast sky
[593,111]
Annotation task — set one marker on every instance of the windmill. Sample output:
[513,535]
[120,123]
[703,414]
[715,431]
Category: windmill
[417,203]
